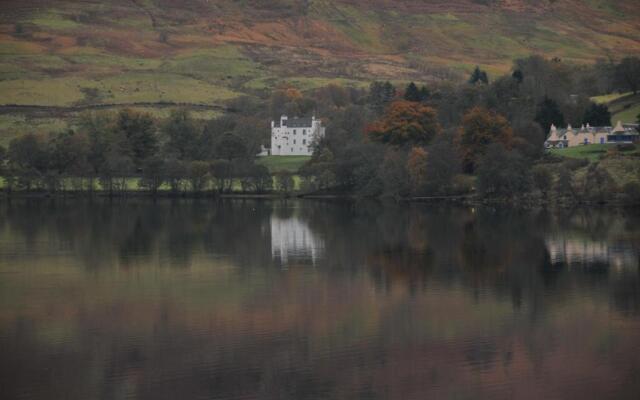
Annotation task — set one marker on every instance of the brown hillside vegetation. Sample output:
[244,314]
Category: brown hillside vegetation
[64,53]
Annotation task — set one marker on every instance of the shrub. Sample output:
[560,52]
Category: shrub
[573,164]
[631,191]
[284,182]
[564,184]
[626,147]
[502,173]
[599,186]
[542,178]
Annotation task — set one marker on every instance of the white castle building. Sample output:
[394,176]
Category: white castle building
[295,136]
[585,135]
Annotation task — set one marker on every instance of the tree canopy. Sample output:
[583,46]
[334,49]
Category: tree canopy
[404,123]
[597,115]
[480,128]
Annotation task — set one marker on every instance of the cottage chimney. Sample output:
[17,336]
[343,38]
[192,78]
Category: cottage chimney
[569,127]
[619,126]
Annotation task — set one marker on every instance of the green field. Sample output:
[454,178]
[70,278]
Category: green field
[624,107]
[590,152]
[283,163]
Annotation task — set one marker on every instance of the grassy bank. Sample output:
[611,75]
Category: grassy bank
[283,163]
[593,152]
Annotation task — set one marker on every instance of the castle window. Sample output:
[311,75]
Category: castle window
[304,131]
[294,141]
[294,132]
[304,141]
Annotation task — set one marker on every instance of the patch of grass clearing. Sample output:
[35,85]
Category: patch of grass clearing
[283,163]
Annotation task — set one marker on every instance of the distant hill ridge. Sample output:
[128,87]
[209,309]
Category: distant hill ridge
[64,53]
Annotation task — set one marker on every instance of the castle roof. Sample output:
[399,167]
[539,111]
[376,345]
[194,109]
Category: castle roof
[306,122]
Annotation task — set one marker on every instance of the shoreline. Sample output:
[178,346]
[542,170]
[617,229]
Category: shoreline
[464,200]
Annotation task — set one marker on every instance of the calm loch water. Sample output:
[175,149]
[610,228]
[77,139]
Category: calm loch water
[311,300]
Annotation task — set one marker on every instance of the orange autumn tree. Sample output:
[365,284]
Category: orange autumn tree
[405,123]
[480,128]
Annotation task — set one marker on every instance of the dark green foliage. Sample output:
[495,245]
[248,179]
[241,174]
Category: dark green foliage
[518,76]
[412,93]
[257,179]
[175,172]
[549,114]
[424,93]
[137,134]
[394,175]
[528,139]
[631,191]
[564,184]
[222,172]
[597,115]
[356,169]
[627,76]
[573,164]
[284,182]
[503,173]
[68,154]
[198,175]
[319,173]
[442,166]
[181,136]
[478,76]
[153,174]
[542,178]
[231,146]
[114,172]
[380,95]
[598,186]
[3,156]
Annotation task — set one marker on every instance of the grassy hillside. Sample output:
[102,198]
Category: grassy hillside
[68,53]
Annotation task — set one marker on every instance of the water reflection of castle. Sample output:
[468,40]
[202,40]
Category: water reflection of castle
[292,239]
[584,252]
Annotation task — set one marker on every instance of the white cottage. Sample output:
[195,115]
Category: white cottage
[295,136]
[585,135]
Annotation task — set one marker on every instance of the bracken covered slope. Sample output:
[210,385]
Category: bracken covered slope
[70,53]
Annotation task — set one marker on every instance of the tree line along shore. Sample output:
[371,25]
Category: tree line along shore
[481,140]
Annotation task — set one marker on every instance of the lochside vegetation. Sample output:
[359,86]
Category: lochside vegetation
[478,139]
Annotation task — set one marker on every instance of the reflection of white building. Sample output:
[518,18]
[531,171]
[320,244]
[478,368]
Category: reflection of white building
[292,239]
[584,251]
